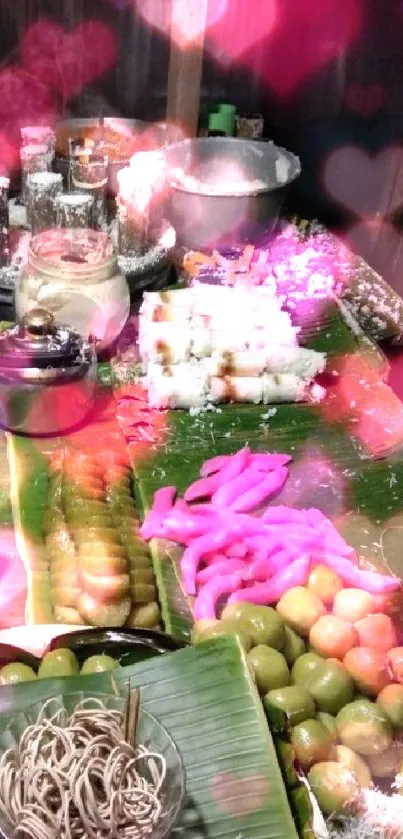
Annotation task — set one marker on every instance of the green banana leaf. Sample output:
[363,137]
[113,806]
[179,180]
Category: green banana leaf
[330,469]
[6,515]
[205,698]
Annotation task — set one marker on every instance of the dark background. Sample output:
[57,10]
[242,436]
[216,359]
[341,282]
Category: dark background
[354,96]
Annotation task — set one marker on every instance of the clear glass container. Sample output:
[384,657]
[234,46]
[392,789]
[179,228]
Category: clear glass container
[150,733]
[74,274]
[89,173]
[42,189]
[42,134]
[74,209]
[34,158]
[4,222]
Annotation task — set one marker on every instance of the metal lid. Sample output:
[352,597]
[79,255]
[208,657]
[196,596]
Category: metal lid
[38,348]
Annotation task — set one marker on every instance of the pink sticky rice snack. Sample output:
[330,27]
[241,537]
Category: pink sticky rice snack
[232,552]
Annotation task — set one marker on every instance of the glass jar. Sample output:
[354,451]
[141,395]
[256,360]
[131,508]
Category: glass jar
[74,274]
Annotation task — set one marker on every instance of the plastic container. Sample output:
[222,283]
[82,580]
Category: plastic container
[150,733]
[217,125]
[74,274]
[229,113]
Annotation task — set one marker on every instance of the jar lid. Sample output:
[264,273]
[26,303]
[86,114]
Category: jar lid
[72,248]
[38,348]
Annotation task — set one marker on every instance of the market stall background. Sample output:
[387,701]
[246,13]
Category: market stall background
[325,76]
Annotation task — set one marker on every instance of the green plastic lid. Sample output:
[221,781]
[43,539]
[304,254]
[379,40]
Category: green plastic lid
[218,122]
[226,108]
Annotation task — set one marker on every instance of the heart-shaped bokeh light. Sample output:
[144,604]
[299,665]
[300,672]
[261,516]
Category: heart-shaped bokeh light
[184,21]
[68,60]
[366,185]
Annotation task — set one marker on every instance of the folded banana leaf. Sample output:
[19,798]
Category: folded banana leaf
[205,698]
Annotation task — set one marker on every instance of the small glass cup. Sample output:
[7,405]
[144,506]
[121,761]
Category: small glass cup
[38,134]
[75,209]
[34,158]
[4,223]
[89,173]
[43,188]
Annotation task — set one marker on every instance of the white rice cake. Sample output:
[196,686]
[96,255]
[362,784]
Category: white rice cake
[234,389]
[181,386]
[283,387]
[164,343]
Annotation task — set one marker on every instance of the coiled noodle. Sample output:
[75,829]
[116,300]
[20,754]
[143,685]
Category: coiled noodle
[75,777]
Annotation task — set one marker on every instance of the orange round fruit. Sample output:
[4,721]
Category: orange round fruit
[353,604]
[368,668]
[376,631]
[325,583]
[394,662]
[332,637]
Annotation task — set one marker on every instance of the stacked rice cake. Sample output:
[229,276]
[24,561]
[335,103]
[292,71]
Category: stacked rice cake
[212,344]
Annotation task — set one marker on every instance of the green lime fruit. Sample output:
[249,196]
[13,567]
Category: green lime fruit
[227,627]
[329,722]
[293,646]
[58,663]
[294,701]
[312,743]
[270,668]
[364,727]
[390,700]
[331,686]
[304,668]
[13,674]
[146,616]
[99,664]
[262,623]
[355,764]
[336,788]
[200,627]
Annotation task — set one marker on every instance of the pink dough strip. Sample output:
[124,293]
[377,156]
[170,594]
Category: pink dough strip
[284,515]
[331,536]
[358,578]
[226,566]
[258,494]
[203,488]
[209,543]
[268,462]
[263,594]
[231,490]
[163,499]
[263,545]
[214,464]
[237,551]
[206,601]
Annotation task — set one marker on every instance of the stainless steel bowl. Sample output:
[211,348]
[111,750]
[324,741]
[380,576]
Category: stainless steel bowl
[207,212]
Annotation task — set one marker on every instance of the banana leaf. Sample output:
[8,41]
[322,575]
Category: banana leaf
[331,467]
[205,698]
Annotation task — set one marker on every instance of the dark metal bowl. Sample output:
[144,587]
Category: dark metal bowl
[210,219]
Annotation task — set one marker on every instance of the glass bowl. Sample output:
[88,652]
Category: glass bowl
[150,733]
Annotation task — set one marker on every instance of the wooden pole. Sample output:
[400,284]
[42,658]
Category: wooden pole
[188,29]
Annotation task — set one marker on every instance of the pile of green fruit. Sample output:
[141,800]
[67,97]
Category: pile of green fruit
[342,731]
[57,663]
